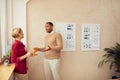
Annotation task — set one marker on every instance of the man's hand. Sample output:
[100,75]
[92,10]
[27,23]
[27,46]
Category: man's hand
[47,49]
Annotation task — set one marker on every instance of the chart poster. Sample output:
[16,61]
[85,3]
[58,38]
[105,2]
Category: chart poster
[67,31]
[90,37]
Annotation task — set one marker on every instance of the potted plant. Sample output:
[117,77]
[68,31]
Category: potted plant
[6,57]
[112,56]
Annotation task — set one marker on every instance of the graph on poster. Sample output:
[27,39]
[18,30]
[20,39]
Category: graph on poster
[67,31]
[90,37]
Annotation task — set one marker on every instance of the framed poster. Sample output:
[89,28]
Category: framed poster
[67,30]
[90,37]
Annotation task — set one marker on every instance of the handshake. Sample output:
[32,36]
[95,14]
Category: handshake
[36,49]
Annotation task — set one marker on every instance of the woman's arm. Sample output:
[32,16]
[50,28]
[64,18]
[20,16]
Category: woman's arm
[15,54]
[25,56]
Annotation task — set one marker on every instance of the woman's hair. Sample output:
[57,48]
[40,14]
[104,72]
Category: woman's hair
[15,32]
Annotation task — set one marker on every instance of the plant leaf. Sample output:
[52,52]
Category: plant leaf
[101,63]
[111,65]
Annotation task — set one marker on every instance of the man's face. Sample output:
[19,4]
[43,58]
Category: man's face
[48,28]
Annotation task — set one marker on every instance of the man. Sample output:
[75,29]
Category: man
[53,46]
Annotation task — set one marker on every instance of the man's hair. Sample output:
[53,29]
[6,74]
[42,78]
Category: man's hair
[50,23]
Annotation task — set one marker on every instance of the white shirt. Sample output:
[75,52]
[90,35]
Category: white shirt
[51,33]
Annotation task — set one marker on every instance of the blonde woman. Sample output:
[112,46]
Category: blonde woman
[19,55]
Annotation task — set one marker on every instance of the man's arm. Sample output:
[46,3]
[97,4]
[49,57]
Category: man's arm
[39,49]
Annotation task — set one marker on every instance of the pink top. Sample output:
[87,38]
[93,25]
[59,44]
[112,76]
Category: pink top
[18,50]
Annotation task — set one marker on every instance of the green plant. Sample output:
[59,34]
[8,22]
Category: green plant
[6,57]
[112,56]
[9,53]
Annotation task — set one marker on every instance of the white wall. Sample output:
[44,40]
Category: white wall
[19,15]
[13,14]
[3,20]
[0,30]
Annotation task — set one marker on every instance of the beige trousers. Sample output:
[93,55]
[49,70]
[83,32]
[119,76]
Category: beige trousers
[21,76]
[52,69]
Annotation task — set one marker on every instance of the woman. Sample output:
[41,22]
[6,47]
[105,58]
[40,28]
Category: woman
[19,55]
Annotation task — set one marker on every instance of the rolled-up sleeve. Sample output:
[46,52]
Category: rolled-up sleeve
[15,54]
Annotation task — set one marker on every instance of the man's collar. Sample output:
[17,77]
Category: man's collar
[51,32]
